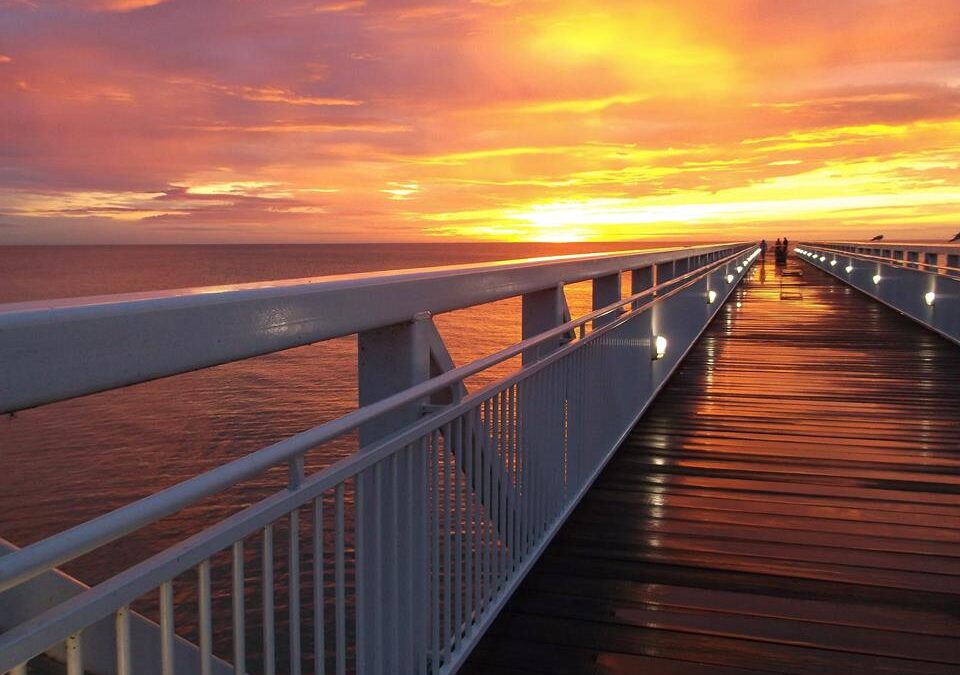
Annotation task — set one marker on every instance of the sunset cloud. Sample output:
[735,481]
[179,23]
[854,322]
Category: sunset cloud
[141,120]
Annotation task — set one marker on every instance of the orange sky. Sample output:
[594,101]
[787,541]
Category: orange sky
[346,120]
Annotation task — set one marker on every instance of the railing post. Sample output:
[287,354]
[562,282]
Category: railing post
[606,291]
[641,280]
[541,311]
[390,360]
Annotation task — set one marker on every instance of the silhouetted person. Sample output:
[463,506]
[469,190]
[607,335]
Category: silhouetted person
[780,253]
[763,249]
[786,245]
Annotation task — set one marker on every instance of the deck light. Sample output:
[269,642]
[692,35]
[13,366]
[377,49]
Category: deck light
[833,263]
[660,347]
[823,258]
[876,279]
[729,278]
[711,297]
[739,304]
[739,269]
[849,268]
[929,298]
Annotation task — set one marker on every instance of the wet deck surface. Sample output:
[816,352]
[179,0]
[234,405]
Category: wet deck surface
[790,504]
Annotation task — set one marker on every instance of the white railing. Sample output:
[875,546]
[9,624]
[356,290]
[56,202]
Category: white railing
[397,558]
[919,281]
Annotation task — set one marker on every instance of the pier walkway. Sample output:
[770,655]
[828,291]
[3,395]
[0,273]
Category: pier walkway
[719,468]
[790,503]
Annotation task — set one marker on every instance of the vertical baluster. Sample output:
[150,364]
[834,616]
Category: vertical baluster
[74,655]
[122,627]
[447,571]
[362,562]
[503,465]
[520,413]
[480,466]
[489,465]
[239,610]
[376,544]
[537,451]
[553,454]
[269,650]
[470,480]
[167,662]
[393,648]
[205,619]
[502,488]
[340,582]
[293,565]
[436,534]
[489,530]
[414,570]
[319,628]
[511,412]
[533,464]
[457,577]
[426,517]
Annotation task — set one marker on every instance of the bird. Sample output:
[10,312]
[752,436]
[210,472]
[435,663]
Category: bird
[879,237]
[956,237]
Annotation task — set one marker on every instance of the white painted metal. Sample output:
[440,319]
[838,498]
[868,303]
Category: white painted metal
[446,512]
[895,275]
[124,339]
[74,655]
[238,608]
[97,642]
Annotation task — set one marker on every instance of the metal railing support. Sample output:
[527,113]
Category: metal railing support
[642,279]
[606,291]
[541,311]
[390,360]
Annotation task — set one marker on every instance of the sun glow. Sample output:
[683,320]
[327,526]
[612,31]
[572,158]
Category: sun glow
[569,120]
[646,46]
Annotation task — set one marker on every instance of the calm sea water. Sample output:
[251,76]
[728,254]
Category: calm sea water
[65,463]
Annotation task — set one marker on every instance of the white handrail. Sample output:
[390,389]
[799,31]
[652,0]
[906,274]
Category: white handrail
[114,341]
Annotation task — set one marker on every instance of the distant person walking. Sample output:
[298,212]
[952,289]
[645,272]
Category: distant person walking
[786,245]
[780,252]
[763,250]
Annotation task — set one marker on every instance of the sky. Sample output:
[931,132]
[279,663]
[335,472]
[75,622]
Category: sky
[140,121]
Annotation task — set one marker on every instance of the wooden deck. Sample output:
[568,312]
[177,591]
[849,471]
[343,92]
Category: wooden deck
[790,504]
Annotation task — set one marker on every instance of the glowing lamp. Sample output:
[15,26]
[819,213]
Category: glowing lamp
[929,298]
[823,258]
[739,269]
[711,297]
[660,347]
[729,278]
[849,268]
[876,279]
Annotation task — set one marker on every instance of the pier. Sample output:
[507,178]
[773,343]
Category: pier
[724,467]
[786,510]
